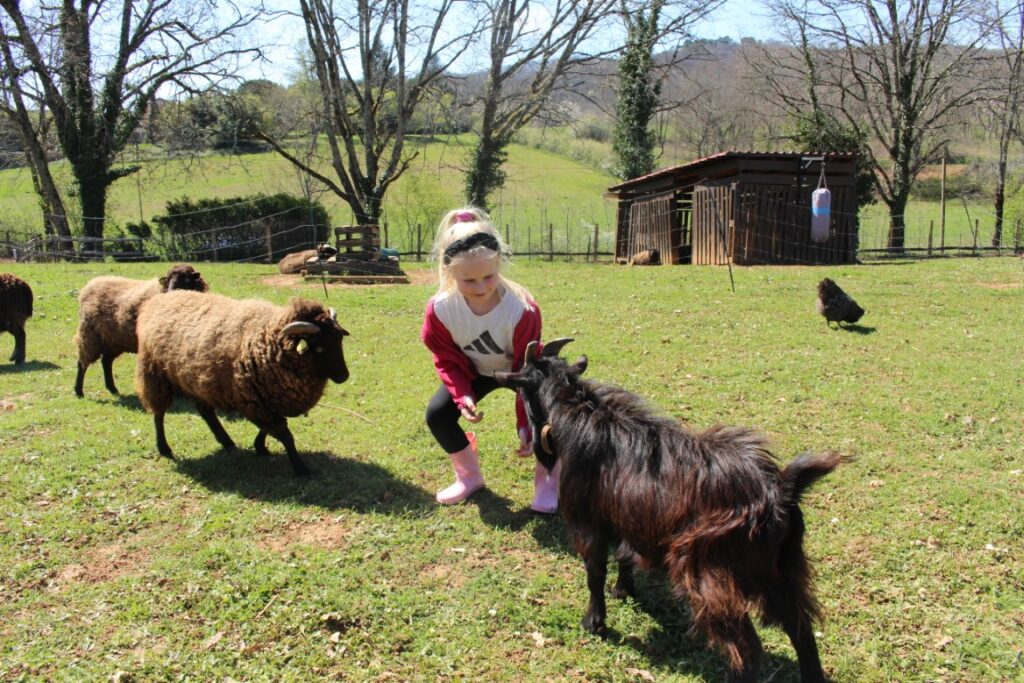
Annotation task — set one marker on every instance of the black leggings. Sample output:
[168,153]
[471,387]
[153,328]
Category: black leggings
[443,415]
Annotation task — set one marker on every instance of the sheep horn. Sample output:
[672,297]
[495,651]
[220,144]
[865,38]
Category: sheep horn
[555,345]
[531,353]
[299,327]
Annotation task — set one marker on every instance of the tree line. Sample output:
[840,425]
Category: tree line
[891,80]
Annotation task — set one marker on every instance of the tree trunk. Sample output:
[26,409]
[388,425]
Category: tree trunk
[485,175]
[897,223]
[92,192]
[1000,200]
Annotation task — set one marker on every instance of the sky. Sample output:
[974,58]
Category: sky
[285,37]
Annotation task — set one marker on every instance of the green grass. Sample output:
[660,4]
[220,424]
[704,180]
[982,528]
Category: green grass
[223,566]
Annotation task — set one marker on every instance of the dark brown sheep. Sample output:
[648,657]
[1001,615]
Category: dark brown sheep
[711,508]
[107,309]
[15,309]
[266,362]
[296,262]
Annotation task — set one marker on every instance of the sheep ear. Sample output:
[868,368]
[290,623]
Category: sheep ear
[554,346]
[163,282]
[579,366]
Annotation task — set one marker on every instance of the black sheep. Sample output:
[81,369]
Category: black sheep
[712,508]
[836,305]
[15,309]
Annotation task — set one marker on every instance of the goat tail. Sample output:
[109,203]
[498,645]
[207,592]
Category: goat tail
[805,470]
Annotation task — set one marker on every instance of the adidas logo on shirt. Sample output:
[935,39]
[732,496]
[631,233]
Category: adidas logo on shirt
[484,344]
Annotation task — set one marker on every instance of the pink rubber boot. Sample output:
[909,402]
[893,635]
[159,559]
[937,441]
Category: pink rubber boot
[545,488]
[468,479]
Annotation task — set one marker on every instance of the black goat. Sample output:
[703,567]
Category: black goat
[712,508]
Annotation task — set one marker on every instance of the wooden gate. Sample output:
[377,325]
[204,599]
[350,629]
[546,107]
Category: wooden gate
[651,226]
[712,224]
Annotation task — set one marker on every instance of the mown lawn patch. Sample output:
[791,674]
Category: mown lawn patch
[224,565]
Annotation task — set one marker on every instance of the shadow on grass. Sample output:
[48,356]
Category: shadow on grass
[27,366]
[336,483]
[669,645]
[858,329]
[496,511]
[180,406]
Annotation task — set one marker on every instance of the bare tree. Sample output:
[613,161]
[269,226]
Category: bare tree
[892,70]
[375,63]
[1006,104]
[99,66]
[533,46]
[27,112]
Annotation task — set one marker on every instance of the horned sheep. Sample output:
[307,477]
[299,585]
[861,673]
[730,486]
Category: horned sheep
[108,307]
[15,309]
[266,362]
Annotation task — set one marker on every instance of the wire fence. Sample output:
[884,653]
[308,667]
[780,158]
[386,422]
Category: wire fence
[266,239]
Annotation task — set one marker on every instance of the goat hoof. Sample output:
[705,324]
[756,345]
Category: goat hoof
[593,624]
[622,592]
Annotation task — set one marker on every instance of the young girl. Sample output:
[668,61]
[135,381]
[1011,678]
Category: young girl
[478,322]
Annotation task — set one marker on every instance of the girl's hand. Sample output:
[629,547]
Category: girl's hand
[469,410]
[525,443]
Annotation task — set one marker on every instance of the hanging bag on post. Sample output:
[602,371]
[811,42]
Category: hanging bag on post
[821,210]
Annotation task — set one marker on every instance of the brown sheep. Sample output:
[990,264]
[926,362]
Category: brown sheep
[648,257]
[15,309]
[266,362]
[296,262]
[107,309]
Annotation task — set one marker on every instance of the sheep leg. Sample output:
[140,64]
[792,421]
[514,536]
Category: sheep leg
[19,345]
[260,444]
[279,430]
[210,417]
[595,558]
[79,380]
[108,373]
[161,439]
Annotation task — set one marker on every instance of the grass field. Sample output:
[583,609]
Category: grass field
[223,566]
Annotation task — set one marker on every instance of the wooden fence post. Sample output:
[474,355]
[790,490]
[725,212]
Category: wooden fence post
[931,230]
[270,245]
[419,241]
[976,236]
[551,241]
[596,250]
[386,245]
[1017,237]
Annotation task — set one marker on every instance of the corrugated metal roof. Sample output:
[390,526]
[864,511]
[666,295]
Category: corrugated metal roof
[690,166]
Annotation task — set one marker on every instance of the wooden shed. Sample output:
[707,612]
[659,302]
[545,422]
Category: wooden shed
[750,207]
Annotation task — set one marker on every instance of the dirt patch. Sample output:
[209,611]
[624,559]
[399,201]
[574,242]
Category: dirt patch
[1001,285]
[326,534]
[418,276]
[105,563]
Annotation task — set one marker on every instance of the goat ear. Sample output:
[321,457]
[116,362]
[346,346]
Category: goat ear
[163,282]
[531,353]
[579,366]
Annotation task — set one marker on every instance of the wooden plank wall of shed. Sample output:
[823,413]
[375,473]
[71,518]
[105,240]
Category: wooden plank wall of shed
[712,218]
[773,226]
[651,227]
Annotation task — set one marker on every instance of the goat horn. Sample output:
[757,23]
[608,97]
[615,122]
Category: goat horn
[299,327]
[545,440]
[555,345]
[531,353]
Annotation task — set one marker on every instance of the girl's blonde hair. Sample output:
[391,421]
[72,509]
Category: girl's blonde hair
[460,224]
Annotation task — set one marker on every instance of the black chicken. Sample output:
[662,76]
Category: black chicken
[836,305]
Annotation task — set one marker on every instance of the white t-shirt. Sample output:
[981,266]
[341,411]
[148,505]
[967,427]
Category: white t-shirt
[485,339]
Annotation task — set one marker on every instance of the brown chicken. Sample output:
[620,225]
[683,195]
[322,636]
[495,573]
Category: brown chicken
[836,305]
